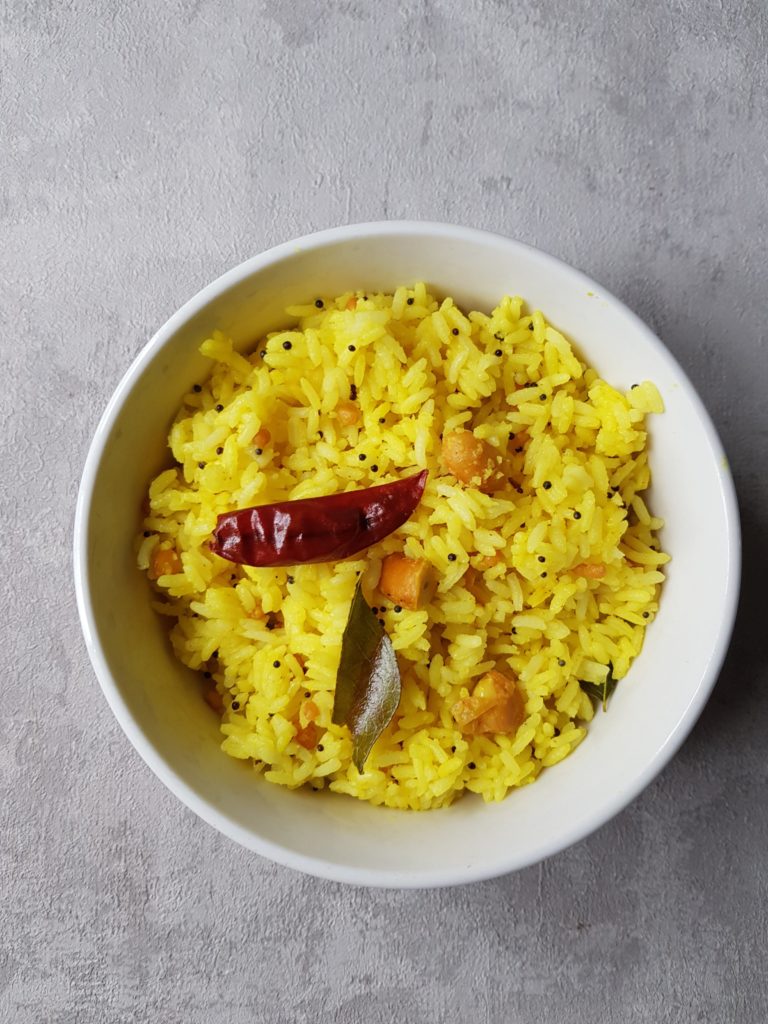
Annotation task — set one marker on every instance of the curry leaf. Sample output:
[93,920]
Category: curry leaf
[601,692]
[368,680]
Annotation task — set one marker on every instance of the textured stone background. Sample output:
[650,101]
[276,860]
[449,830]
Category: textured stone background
[145,148]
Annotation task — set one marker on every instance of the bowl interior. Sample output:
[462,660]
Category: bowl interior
[158,702]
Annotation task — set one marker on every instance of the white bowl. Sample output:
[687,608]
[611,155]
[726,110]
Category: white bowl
[156,700]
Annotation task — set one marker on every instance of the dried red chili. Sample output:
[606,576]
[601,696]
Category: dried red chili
[323,529]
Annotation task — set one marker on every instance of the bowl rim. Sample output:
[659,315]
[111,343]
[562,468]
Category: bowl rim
[153,757]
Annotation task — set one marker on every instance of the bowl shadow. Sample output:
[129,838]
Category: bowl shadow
[739,698]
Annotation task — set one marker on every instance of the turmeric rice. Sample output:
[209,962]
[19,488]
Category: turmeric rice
[544,557]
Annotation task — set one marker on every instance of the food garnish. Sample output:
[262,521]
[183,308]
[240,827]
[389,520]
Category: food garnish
[406,581]
[496,705]
[310,530]
[470,459]
[165,562]
[600,692]
[368,680]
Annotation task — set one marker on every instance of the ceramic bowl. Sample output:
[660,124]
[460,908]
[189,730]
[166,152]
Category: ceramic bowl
[157,701]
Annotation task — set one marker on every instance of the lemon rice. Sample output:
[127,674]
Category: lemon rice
[551,578]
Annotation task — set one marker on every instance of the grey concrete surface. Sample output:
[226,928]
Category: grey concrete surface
[147,147]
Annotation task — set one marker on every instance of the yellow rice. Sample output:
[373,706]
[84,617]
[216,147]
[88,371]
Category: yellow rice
[420,367]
